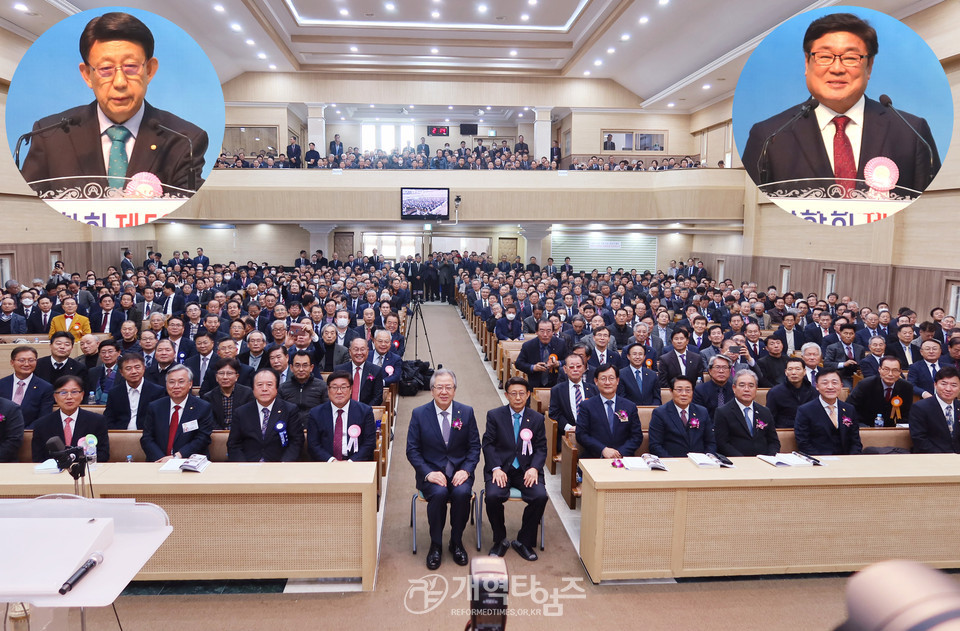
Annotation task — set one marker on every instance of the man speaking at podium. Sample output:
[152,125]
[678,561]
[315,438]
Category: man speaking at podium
[836,133]
[119,135]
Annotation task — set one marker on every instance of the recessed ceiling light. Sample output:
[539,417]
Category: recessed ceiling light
[664,2]
[371,105]
[513,53]
[706,86]
[482,8]
[611,50]
[390,6]
[434,51]
[449,107]
[586,73]
[524,17]
[217,7]
[342,118]
[598,62]
[435,15]
[261,55]
[344,12]
[250,42]
[644,19]
[377,118]
[338,111]
[446,120]
[671,104]
[236,27]
[488,107]
[481,120]
[519,115]
[334,105]
[411,107]
[625,37]
[532,2]
[272,66]
[354,49]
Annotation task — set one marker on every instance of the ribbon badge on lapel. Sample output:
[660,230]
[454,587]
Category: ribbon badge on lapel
[526,435]
[353,432]
[895,404]
[281,428]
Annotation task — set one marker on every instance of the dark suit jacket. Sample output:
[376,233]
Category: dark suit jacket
[84,423]
[895,348]
[798,337]
[560,409]
[669,366]
[320,432]
[11,431]
[79,152]
[426,451]
[813,333]
[156,428]
[530,356]
[593,428]
[371,388]
[241,396]
[733,439]
[798,151]
[613,357]
[929,430]
[816,435]
[836,354]
[868,400]
[37,400]
[669,438]
[870,365]
[392,367]
[47,371]
[210,378]
[706,394]
[281,442]
[500,448]
[650,395]
[117,411]
[113,326]
[920,378]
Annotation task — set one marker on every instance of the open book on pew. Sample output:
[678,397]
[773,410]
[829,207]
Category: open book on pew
[795,459]
[645,462]
[709,461]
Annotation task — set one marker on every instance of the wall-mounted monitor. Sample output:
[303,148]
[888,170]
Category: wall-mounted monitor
[424,204]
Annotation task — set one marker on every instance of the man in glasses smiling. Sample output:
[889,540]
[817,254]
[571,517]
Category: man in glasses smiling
[845,130]
[118,135]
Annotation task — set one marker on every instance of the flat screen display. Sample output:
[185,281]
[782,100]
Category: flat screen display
[424,204]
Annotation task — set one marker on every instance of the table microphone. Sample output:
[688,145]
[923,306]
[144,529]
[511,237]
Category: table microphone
[808,106]
[95,559]
[157,126]
[63,123]
[56,447]
[888,103]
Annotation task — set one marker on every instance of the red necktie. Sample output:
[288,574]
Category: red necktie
[67,431]
[356,385]
[888,392]
[844,165]
[683,417]
[338,436]
[106,319]
[174,424]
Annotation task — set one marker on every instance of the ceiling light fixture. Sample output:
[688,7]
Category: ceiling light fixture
[586,73]
[671,104]
[261,55]
[513,53]
[488,107]
[236,27]
[434,51]
[344,12]
[598,62]
[664,3]
[625,37]
[354,49]
[217,7]
[449,107]
[250,42]
[524,17]
[338,111]
[520,115]
[390,6]
[706,86]
[644,19]
[446,120]
[481,120]
[482,8]
[371,105]
[532,3]
[272,66]
[611,50]
[435,15]
[342,118]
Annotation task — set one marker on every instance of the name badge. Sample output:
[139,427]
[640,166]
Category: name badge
[191,426]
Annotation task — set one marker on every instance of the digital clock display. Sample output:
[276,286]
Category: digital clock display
[438,131]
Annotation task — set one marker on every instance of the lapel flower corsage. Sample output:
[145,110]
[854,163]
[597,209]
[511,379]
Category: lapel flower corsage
[761,425]
[846,421]
[369,377]
[694,423]
[1,418]
[457,423]
[622,415]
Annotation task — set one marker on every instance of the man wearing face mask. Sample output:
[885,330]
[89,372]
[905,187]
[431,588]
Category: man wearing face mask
[509,327]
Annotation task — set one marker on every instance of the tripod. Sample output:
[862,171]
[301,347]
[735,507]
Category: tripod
[415,314]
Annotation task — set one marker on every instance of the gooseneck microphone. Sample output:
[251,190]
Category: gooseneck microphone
[63,124]
[888,103]
[157,127]
[808,106]
[95,559]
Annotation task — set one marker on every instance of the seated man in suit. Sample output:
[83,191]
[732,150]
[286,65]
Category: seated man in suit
[130,396]
[680,426]
[228,395]
[603,350]
[742,426]
[826,425]
[514,452]
[69,423]
[784,398]
[567,396]
[11,431]
[790,334]
[179,424]
[933,421]
[23,387]
[101,378]
[773,364]
[922,374]
[508,327]
[383,357]
[226,349]
[680,360]
[59,363]
[904,348]
[637,382]
[443,446]
[839,49]
[718,390]
[608,425]
[115,44]
[845,355]
[367,378]
[268,429]
[11,322]
[876,349]
[330,436]
[882,395]
[540,358]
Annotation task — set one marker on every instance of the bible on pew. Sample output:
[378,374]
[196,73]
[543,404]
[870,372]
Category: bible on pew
[646,462]
[786,460]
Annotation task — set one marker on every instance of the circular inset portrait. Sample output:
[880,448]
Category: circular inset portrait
[115,116]
[842,116]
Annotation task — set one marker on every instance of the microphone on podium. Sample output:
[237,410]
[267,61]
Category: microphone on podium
[63,123]
[157,127]
[888,103]
[808,106]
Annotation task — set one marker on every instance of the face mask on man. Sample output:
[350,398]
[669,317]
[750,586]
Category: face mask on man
[342,323]
[511,316]
[27,302]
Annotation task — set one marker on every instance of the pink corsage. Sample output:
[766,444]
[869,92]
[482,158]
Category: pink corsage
[622,415]
[846,421]
[1,418]
[457,423]
[761,425]
[369,377]
[694,423]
